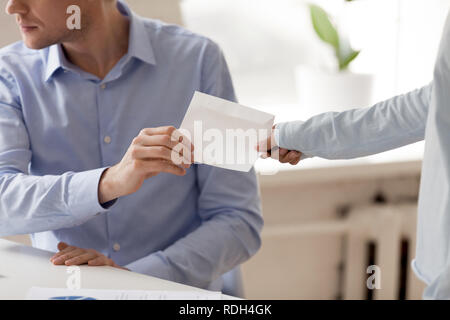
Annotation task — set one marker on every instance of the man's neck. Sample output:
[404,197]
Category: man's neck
[99,49]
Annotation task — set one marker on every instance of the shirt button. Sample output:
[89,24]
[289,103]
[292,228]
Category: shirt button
[103,86]
[107,139]
[116,247]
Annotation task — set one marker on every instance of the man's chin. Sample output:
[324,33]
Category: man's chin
[36,44]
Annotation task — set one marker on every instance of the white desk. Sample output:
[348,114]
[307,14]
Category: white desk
[23,267]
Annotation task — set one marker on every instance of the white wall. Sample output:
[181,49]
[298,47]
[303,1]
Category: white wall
[9,31]
[268,38]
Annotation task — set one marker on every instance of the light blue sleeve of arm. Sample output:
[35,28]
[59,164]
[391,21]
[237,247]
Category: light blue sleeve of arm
[360,132]
[229,206]
[31,204]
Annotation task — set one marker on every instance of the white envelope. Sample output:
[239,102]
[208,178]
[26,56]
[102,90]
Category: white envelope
[225,134]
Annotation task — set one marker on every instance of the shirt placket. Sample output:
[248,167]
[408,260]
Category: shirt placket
[106,142]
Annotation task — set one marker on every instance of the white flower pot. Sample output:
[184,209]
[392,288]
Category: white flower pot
[321,91]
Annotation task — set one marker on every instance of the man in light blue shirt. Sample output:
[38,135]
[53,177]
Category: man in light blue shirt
[86,118]
[421,114]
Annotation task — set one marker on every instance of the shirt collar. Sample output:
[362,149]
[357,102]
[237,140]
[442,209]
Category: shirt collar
[139,45]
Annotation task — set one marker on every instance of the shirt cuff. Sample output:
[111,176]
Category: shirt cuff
[83,194]
[288,136]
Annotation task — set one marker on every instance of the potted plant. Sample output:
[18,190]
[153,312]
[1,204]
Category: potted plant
[336,90]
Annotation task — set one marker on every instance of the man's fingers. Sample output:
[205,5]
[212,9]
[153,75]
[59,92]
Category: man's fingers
[98,261]
[284,156]
[62,252]
[63,258]
[168,167]
[169,131]
[152,167]
[294,157]
[284,159]
[283,152]
[181,138]
[160,152]
[68,255]
[81,259]
[163,140]
[150,143]
[291,156]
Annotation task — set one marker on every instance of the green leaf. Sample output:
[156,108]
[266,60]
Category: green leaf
[328,33]
[346,60]
[324,27]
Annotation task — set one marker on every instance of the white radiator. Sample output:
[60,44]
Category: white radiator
[385,228]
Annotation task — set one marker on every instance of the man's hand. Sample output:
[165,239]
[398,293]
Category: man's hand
[271,150]
[153,151]
[74,256]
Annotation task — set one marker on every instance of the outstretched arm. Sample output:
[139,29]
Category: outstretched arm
[359,132]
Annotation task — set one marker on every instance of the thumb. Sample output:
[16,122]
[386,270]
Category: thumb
[62,246]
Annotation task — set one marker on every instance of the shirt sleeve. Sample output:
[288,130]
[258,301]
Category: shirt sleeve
[229,206]
[360,132]
[30,204]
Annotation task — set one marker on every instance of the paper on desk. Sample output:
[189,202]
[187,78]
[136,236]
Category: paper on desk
[225,133]
[37,293]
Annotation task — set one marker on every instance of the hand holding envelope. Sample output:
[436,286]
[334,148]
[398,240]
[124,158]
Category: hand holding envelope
[270,149]
[225,134]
